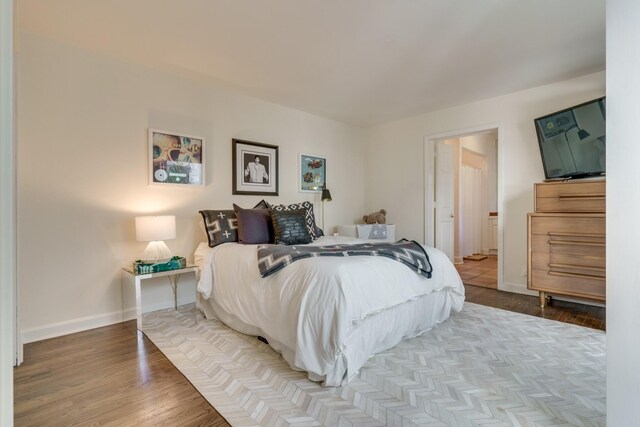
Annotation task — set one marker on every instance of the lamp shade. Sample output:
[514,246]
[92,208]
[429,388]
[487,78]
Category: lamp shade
[152,228]
[326,195]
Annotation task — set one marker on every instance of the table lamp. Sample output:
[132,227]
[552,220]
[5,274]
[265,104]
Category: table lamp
[156,229]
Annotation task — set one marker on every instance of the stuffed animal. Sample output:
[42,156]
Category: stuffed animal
[375,217]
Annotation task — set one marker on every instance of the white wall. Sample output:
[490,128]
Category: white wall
[82,172]
[623,206]
[397,148]
[7,215]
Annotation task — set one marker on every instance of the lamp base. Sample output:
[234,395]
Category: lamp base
[156,251]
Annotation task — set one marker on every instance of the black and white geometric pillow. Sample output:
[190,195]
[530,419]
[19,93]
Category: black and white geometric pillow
[262,204]
[221,226]
[309,218]
[289,227]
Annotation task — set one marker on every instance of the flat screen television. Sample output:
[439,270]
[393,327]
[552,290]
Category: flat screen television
[573,141]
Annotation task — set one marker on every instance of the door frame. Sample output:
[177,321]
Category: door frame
[429,182]
[10,348]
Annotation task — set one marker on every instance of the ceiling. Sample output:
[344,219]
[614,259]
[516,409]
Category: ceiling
[362,62]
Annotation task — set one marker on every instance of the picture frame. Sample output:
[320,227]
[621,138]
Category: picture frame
[557,124]
[255,168]
[175,159]
[312,173]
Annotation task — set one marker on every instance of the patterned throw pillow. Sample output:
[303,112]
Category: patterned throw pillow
[289,227]
[221,226]
[262,204]
[309,218]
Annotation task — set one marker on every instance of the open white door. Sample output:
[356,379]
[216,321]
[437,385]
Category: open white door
[444,198]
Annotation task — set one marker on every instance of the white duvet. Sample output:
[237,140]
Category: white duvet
[312,306]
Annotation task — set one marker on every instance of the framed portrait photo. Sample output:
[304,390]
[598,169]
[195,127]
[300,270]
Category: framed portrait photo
[175,158]
[255,168]
[312,173]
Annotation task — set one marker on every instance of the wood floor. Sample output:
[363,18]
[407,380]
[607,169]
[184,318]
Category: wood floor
[482,273]
[116,376]
[563,311]
[107,376]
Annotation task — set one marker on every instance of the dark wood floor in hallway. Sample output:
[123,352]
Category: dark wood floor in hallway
[116,376]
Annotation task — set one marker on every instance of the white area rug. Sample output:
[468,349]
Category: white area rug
[482,367]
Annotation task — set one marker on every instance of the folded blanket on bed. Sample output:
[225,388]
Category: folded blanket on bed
[273,258]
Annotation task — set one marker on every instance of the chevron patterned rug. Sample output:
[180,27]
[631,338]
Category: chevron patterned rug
[482,367]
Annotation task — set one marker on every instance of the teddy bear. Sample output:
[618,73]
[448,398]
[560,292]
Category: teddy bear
[375,217]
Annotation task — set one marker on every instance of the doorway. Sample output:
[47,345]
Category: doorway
[462,199]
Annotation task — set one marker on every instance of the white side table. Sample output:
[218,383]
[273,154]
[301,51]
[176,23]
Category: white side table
[172,275]
[363,231]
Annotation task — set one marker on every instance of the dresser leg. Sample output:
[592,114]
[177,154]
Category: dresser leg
[543,299]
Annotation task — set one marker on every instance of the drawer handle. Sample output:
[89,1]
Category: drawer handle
[575,242]
[597,236]
[576,275]
[596,196]
[565,266]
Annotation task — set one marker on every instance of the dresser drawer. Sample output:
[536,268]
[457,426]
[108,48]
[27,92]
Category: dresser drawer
[593,265]
[578,196]
[567,240]
[566,224]
[568,284]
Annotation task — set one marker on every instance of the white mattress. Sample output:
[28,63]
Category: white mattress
[326,315]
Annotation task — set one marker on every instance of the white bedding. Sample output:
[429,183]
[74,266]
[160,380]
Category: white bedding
[313,310]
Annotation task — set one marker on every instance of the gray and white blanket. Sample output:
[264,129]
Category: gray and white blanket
[273,258]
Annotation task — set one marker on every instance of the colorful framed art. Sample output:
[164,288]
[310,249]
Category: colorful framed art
[312,173]
[175,158]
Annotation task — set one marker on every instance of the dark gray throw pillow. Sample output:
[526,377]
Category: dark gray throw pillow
[221,226]
[254,225]
[309,218]
[290,227]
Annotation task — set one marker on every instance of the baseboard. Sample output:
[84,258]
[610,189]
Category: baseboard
[90,322]
[129,314]
[458,260]
[70,326]
[518,288]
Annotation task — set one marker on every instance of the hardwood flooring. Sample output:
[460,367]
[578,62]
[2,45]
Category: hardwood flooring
[563,311]
[116,376]
[482,273]
[106,376]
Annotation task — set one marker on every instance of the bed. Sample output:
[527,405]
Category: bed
[326,316]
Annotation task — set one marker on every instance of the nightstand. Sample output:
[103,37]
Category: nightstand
[130,278]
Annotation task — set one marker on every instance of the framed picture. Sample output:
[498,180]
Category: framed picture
[175,158]
[312,173]
[255,168]
[556,124]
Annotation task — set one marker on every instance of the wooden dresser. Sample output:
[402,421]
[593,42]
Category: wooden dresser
[566,240]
